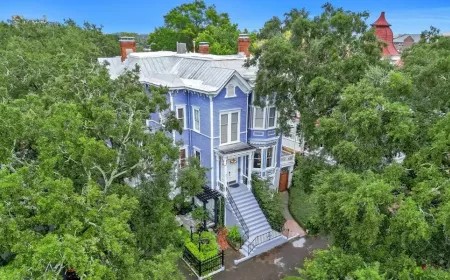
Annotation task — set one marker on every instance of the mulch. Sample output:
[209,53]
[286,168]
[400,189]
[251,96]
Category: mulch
[222,239]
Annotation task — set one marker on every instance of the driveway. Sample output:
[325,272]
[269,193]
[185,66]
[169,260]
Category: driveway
[275,264]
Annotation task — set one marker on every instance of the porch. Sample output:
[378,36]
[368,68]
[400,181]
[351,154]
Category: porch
[233,166]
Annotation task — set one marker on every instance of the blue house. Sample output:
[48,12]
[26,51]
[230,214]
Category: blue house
[212,96]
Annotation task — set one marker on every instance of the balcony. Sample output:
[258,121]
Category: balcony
[287,158]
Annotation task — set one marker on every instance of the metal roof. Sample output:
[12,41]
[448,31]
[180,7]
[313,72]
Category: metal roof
[401,38]
[235,148]
[205,73]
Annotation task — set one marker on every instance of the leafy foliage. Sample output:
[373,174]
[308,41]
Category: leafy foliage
[208,249]
[385,201]
[270,202]
[196,21]
[234,236]
[73,138]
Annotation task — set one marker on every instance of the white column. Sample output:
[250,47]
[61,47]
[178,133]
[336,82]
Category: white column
[241,164]
[225,174]
[217,171]
[250,166]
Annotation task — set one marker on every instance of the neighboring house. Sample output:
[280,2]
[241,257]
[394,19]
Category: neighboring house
[212,98]
[404,41]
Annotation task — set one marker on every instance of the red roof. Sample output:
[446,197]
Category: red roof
[381,21]
[384,33]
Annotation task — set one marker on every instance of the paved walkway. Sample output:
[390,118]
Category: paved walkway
[275,264]
[291,224]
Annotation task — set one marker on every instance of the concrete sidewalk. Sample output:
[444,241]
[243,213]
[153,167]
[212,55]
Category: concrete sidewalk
[291,224]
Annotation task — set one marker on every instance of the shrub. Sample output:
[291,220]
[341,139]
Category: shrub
[234,237]
[207,250]
[270,202]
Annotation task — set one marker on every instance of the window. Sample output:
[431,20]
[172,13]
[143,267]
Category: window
[269,157]
[181,117]
[259,118]
[183,157]
[231,90]
[272,116]
[196,116]
[257,159]
[197,154]
[229,127]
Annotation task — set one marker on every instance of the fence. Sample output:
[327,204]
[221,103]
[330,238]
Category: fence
[203,267]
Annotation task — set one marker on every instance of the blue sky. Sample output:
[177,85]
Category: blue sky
[406,16]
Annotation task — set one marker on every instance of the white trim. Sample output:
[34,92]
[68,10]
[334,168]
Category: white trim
[273,163]
[195,149]
[194,108]
[227,95]
[211,113]
[254,117]
[258,133]
[238,132]
[183,106]
[275,117]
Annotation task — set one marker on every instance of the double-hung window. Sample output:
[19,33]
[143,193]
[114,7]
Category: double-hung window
[196,121]
[272,117]
[197,154]
[181,116]
[257,159]
[269,158]
[229,127]
[259,118]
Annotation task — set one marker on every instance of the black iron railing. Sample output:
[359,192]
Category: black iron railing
[239,217]
[204,267]
[264,238]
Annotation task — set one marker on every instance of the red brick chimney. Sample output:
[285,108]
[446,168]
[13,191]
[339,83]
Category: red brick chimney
[127,46]
[203,47]
[244,44]
[383,32]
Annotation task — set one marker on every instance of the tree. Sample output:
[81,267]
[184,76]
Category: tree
[73,138]
[309,68]
[191,180]
[199,22]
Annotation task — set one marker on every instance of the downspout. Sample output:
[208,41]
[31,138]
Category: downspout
[190,126]
[211,114]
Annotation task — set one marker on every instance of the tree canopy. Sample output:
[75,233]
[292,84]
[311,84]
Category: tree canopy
[71,137]
[384,198]
[199,22]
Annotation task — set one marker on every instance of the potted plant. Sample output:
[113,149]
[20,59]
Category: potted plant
[234,237]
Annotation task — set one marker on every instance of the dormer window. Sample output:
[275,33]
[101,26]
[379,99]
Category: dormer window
[231,90]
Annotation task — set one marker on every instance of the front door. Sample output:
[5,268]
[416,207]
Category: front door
[284,178]
[232,171]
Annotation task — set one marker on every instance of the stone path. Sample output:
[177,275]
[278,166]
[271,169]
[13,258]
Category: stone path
[291,224]
[276,264]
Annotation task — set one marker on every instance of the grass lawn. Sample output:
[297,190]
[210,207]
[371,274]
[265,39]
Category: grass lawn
[301,207]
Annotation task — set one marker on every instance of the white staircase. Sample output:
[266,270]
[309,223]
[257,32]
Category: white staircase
[261,236]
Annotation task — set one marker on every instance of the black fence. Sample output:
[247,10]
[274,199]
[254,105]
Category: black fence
[203,267]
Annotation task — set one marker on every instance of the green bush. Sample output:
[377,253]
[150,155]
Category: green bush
[207,250]
[303,209]
[234,237]
[270,202]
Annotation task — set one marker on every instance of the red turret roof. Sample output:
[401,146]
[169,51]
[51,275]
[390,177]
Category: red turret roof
[384,33]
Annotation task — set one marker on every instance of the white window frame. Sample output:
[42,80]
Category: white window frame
[186,156]
[260,159]
[195,108]
[228,89]
[275,117]
[184,114]
[229,113]
[197,150]
[272,161]
[254,117]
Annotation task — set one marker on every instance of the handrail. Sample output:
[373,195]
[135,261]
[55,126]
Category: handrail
[238,216]
[263,238]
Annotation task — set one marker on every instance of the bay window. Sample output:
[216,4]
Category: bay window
[258,118]
[257,159]
[269,158]
[272,117]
